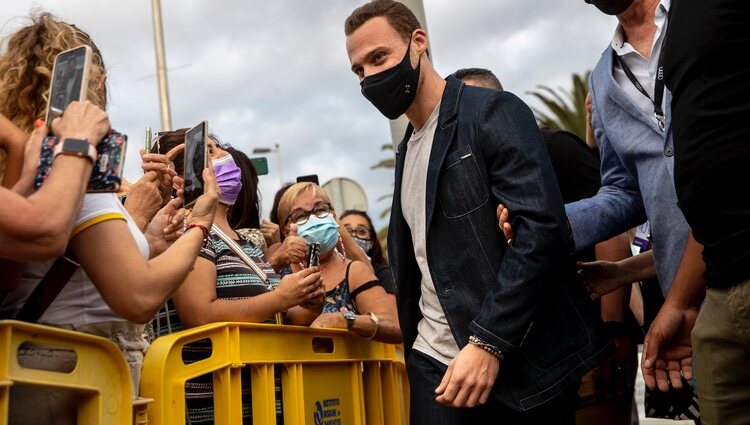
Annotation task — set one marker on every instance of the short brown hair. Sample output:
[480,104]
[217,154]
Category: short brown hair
[400,17]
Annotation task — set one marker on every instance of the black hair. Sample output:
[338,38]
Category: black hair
[273,216]
[481,74]
[376,252]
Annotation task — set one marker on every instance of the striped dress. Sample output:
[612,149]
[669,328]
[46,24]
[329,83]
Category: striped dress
[234,280]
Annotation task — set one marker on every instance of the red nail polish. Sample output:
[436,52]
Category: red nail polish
[38,123]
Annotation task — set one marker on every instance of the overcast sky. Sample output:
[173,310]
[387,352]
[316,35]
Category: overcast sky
[276,72]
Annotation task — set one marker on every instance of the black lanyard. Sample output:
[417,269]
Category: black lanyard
[658,83]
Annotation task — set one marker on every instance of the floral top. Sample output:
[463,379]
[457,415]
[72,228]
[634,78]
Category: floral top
[339,296]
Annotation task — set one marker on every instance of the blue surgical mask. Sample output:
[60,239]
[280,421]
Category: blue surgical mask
[324,231]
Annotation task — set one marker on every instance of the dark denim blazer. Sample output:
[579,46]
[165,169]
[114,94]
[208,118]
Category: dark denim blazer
[524,297]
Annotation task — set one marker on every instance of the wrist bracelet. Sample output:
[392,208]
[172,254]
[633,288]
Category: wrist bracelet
[375,319]
[486,346]
[203,229]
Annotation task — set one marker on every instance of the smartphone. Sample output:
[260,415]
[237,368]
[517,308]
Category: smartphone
[313,254]
[261,165]
[70,79]
[309,178]
[147,145]
[196,158]
[110,160]
[106,176]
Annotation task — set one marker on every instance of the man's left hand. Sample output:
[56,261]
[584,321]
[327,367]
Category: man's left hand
[469,378]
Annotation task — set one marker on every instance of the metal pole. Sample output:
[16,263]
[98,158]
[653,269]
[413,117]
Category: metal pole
[278,160]
[161,67]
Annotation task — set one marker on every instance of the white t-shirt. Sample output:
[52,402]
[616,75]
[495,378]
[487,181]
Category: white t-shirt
[434,336]
[79,303]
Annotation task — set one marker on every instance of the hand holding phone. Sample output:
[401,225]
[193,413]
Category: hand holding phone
[82,120]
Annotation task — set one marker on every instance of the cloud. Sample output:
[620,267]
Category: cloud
[276,72]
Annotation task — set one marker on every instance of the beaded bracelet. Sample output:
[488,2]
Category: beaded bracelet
[486,346]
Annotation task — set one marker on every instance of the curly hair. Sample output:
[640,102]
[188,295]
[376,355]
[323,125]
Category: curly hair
[26,68]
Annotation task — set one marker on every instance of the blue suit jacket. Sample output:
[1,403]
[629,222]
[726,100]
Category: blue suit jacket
[637,165]
[524,297]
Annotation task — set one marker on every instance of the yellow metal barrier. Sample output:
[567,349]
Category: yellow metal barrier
[329,377]
[100,376]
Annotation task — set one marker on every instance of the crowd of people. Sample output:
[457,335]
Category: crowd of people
[509,277]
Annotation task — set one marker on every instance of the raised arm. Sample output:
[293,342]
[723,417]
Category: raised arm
[38,227]
[133,286]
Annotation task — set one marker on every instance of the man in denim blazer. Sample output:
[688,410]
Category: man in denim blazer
[514,328]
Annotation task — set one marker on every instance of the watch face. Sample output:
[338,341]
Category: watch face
[350,315]
[76,146]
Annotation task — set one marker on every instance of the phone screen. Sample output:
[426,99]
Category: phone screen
[195,162]
[69,80]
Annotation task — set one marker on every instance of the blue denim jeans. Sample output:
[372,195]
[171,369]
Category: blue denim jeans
[425,374]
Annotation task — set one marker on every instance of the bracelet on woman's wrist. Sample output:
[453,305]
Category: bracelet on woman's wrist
[202,228]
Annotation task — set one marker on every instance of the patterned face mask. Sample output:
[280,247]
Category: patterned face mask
[365,244]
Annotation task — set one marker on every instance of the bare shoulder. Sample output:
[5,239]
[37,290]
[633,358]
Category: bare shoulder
[359,273]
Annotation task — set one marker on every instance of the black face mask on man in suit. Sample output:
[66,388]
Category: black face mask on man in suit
[611,7]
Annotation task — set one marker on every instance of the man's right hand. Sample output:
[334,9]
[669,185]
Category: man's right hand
[667,349]
[82,120]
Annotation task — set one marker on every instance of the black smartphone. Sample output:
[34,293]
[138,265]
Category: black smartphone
[261,165]
[309,178]
[106,176]
[313,254]
[70,79]
[196,158]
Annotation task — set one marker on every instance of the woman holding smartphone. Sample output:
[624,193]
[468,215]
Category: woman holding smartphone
[224,288]
[124,274]
[355,300]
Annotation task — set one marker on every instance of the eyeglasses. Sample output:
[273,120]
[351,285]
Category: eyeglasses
[361,232]
[301,216]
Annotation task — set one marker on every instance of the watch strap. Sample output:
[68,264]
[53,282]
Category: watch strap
[90,154]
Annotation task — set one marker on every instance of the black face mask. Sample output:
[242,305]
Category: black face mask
[392,91]
[611,7]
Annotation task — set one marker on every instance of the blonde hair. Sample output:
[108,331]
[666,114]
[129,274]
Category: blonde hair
[26,68]
[291,195]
